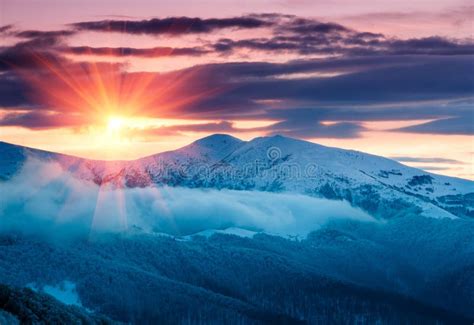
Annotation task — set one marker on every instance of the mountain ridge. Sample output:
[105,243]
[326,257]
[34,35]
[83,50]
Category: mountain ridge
[203,140]
[376,184]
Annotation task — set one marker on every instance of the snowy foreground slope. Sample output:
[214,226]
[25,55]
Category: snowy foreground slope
[380,186]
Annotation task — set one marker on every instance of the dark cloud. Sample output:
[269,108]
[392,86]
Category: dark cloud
[139,52]
[311,37]
[289,34]
[227,45]
[37,40]
[34,45]
[375,88]
[305,129]
[44,34]
[452,126]
[309,26]
[383,89]
[429,45]
[5,29]
[411,79]
[17,65]
[259,70]
[22,56]
[41,120]
[350,44]
[171,25]
[13,92]
[310,128]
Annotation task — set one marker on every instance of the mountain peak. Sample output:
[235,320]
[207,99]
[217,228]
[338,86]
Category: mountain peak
[214,147]
[217,140]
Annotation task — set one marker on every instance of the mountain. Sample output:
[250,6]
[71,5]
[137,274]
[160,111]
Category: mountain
[383,187]
[194,254]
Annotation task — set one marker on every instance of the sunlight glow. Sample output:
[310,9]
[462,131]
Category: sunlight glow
[115,124]
[101,101]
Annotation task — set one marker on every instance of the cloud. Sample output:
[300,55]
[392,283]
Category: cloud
[436,160]
[13,92]
[301,128]
[300,96]
[44,34]
[171,25]
[37,40]
[304,36]
[25,55]
[453,126]
[218,127]
[44,200]
[154,52]
[403,79]
[434,45]
[309,26]
[41,120]
[354,44]
[307,129]
[5,29]
[292,34]
[288,33]
[364,76]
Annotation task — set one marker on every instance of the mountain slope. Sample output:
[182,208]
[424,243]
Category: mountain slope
[381,186]
[402,270]
[28,307]
[226,279]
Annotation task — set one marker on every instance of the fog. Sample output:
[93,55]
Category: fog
[43,199]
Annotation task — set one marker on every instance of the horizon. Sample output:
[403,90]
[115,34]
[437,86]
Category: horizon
[105,82]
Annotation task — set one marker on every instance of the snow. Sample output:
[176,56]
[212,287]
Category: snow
[245,233]
[222,161]
[65,292]
[240,232]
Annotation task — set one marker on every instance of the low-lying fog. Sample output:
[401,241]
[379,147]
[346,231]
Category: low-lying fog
[44,199]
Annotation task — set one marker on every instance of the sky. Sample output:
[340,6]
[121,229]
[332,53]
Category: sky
[125,79]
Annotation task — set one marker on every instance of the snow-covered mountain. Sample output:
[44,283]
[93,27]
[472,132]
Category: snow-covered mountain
[383,187]
[153,255]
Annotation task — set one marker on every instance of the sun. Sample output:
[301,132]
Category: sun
[115,124]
